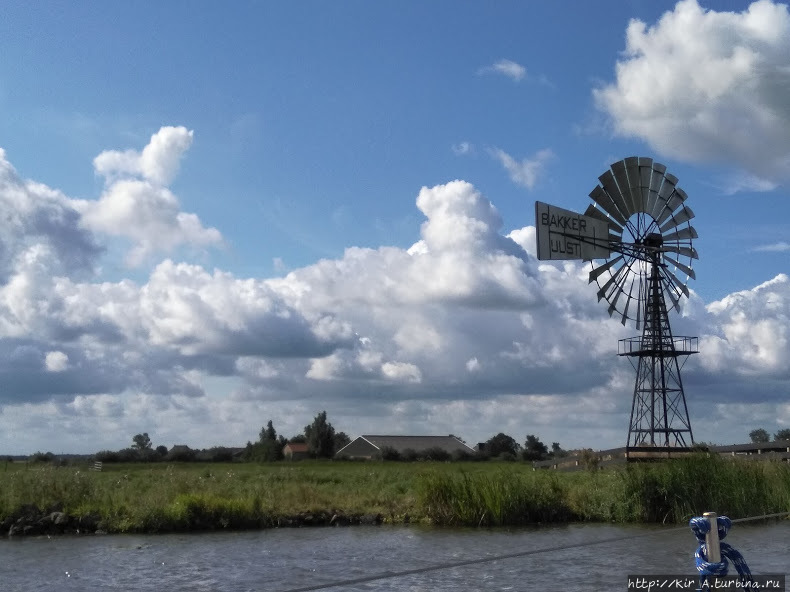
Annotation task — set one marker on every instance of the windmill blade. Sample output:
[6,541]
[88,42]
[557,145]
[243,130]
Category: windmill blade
[684,214]
[605,289]
[672,291]
[682,234]
[682,287]
[610,185]
[613,303]
[620,279]
[634,183]
[594,212]
[596,273]
[689,252]
[621,176]
[603,199]
[639,306]
[667,187]
[645,178]
[628,302]
[685,269]
[619,289]
[656,178]
[674,201]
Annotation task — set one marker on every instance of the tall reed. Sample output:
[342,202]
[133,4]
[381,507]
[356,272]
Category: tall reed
[677,490]
[662,492]
[492,499]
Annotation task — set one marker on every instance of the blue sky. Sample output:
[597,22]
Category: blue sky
[249,213]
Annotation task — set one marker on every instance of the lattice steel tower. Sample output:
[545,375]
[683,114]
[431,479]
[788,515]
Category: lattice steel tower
[659,414]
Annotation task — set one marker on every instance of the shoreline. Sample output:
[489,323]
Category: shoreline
[32,521]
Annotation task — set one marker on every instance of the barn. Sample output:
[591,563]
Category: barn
[369,446]
[296,451]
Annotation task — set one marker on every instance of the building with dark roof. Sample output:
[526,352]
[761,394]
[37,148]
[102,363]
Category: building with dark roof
[369,446]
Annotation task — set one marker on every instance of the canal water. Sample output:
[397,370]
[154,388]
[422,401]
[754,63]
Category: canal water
[281,560]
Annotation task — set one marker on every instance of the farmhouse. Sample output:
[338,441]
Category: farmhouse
[295,451]
[372,446]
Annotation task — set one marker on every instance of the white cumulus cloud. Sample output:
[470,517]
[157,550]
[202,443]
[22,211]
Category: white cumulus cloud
[158,162]
[703,85]
[136,203]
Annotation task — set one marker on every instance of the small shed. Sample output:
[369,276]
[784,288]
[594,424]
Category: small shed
[370,446]
[295,451]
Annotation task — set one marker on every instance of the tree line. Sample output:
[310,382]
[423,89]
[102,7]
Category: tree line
[761,435]
[322,441]
[320,436]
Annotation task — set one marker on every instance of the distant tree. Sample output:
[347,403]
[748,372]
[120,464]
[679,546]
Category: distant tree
[557,451]
[141,445]
[268,448]
[161,450]
[759,436]
[320,437]
[268,433]
[782,434]
[44,457]
[534,449]
[494,447]
[299,438]
[341,440]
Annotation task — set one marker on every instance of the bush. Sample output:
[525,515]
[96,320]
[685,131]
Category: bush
[389,453]
[436,454]
[107,456]
[218,454]
[462,456]
[409,455]
[181,454]
[42,457]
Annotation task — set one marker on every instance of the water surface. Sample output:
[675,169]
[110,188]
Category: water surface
[279,560]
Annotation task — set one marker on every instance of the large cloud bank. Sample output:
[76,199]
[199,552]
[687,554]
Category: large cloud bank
[464,332]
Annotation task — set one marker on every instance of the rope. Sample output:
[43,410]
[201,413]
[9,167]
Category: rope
[700,527]
[440,566]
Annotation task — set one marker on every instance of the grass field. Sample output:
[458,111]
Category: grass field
[195,496]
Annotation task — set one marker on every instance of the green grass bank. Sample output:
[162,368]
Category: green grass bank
[190,496]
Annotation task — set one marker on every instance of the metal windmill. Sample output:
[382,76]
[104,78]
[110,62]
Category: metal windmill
[637,235]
